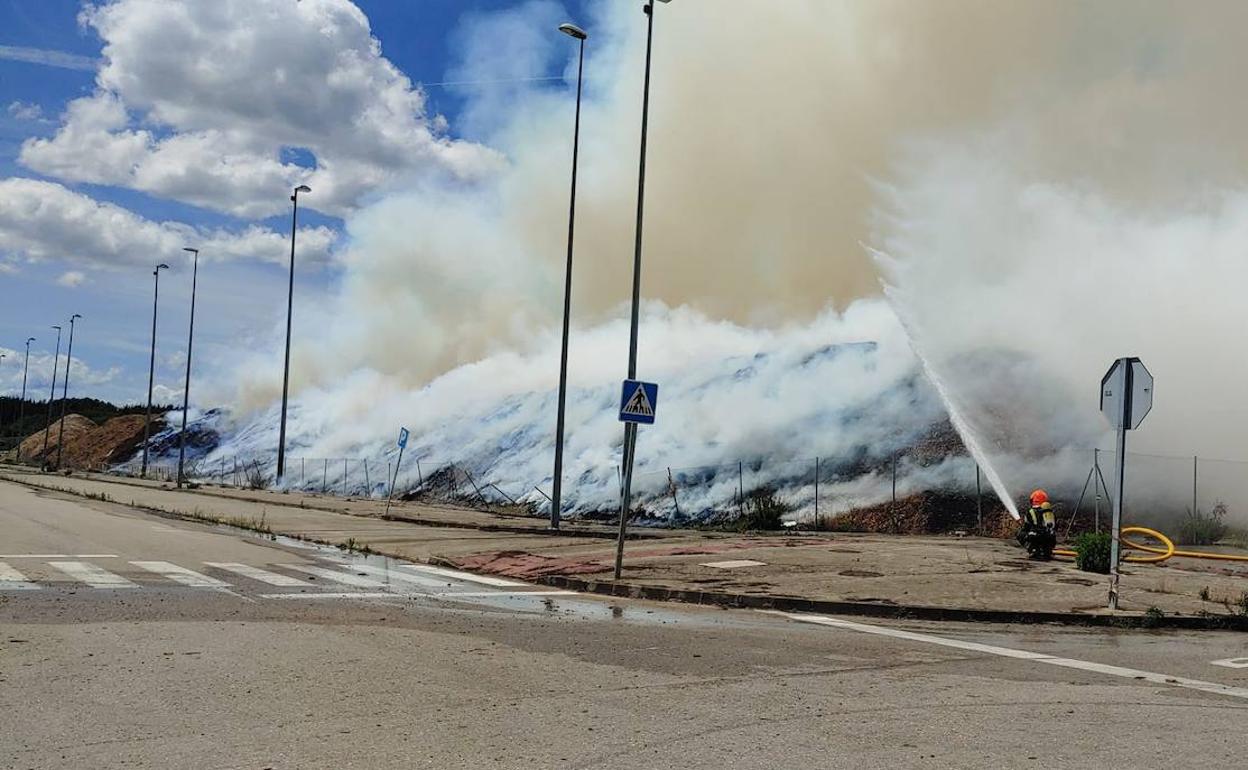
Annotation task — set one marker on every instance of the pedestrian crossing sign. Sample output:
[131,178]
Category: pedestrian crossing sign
[637,401]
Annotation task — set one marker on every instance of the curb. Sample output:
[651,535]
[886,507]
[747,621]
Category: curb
[892,611]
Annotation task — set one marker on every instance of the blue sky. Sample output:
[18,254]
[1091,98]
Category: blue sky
[112,158]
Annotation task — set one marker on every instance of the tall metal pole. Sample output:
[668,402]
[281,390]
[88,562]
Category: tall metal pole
[21,406]
[47,425]
[1120,472]
[186,388]
[395,479]
[630,429]
[556,499]
[151,371]
[69,360]
[290,309]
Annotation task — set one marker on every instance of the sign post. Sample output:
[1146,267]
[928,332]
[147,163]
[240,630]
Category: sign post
[1126,397]
[403,434]
[637,404]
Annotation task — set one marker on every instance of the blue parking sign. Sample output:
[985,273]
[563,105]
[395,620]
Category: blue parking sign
[403,434]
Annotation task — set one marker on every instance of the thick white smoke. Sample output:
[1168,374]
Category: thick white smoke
[1054,185]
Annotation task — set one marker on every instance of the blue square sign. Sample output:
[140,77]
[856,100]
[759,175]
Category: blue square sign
[403,434]
[638,401]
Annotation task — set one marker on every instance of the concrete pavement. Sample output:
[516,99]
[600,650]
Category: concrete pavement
[175,675]
[924,571]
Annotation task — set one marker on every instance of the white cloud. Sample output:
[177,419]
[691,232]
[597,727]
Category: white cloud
[47,58]
[222,88]
[45,221]
[25,111]
[81,374]
[72,279]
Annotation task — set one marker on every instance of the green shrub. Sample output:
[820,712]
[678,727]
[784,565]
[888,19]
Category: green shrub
[1202,528]
[1092,552]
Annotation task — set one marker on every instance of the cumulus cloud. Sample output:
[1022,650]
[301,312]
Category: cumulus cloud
[39,381]
[71,279]
[197,101]
[46,221]
[25,111]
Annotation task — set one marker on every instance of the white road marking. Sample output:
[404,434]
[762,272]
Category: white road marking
[58,556]
[394,574]
[1007,652]
[255,573]
[456,575]
[1231,662]
[180,574]
[12,580]
[734,564]
[340,595]
[338,577]
[92,575]
[379,595]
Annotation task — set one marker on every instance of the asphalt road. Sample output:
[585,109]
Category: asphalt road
[128,640]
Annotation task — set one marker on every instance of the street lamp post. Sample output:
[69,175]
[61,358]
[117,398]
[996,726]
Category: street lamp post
[630,429]
[290,306]
[151,371]
[47,424]
[69,360]
[556,498]
[21,407]
[186,388]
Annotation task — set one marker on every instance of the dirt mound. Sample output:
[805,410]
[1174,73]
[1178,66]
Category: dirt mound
[927,513]
[107,444]
[89,446]
[76,426]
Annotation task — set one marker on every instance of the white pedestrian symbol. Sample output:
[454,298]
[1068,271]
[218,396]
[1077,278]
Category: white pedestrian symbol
[639,404]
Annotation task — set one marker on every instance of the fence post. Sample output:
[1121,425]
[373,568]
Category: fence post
[236,470]
[368,484]
[222,470]
[1096,467]
[303,461]
[389,483]
[420,475]
[894,479]
[671,484]
[816,493]
[740,488]
[979,499]
[325,477]
[1195,464]
[344,477]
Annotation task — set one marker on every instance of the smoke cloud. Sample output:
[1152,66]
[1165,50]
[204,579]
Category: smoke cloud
[1052,185]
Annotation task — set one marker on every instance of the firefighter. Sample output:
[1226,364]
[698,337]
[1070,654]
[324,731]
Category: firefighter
[1039,532]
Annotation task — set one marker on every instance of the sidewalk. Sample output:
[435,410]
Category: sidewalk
[972,574]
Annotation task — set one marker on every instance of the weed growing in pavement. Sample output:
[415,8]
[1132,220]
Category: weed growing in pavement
[1204,594]
[1092,550]
[1153,617]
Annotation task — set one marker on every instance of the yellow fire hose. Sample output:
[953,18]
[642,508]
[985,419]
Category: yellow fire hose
[1155,554]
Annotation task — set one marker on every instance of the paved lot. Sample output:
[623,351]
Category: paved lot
[187,653]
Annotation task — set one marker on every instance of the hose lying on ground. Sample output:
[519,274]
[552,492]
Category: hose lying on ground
[1155,554]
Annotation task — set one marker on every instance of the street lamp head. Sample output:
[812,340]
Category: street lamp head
[303,188]
[571,30]
[72,317]
[162,266]
[188,248]
[57,328]
[30,340]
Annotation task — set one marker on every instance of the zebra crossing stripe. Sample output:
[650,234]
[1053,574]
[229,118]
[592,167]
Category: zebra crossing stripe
[12,580]
[338,577]
[180,574]
[456,575]
[92,575]
[255,573]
